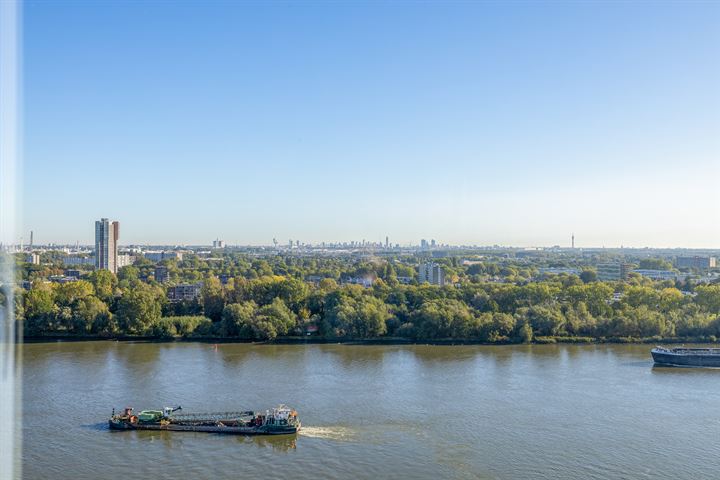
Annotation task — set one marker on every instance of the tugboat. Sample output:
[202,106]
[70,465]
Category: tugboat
[686,357]
[281,420]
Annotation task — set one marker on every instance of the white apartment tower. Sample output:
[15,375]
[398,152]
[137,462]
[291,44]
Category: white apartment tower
[106,248]
[432,273]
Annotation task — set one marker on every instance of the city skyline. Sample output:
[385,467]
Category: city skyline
[427,243]
[478,124]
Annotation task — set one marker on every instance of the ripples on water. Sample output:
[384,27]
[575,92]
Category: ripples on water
[546,412]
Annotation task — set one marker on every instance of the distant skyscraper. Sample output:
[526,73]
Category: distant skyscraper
[106,249]
[387,242]
[573,240]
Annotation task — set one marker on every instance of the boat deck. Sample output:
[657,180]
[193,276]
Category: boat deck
[688,351]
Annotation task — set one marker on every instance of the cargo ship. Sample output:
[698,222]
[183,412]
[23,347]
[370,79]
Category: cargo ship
[686,357]
[281,420]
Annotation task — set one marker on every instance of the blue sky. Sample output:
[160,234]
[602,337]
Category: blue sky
[511,123]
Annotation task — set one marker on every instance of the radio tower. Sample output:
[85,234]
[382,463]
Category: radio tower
[573,241]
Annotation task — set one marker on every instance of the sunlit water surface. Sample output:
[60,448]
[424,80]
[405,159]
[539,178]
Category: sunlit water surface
[369,412]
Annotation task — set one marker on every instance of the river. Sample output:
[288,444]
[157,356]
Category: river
[370,412]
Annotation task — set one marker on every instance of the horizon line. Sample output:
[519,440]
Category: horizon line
[368,245]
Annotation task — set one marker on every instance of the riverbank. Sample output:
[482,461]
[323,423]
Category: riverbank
[297,340]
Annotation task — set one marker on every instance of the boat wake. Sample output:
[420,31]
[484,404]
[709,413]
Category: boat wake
[328,433]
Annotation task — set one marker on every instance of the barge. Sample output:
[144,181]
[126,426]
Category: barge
[686,357]
[281,420]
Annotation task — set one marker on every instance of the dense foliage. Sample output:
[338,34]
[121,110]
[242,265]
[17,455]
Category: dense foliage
[277,296]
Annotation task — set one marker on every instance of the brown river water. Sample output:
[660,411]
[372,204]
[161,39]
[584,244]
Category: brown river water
[371,412]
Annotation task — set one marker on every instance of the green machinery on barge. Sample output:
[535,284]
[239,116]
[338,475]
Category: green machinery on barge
[281,420]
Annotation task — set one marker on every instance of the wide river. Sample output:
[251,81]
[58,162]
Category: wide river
[371,412]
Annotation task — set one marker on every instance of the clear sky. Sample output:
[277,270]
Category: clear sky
[512,123]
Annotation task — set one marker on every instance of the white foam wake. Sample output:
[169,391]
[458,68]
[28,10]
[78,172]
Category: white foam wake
[329,433]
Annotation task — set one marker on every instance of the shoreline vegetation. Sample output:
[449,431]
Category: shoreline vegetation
[315,340]
[291,299]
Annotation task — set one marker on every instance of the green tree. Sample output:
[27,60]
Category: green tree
[351,313]
[328,284]
[40,300]
[637,296]
[186,325]
[237,319]
[579,320]
[104,282]
[708,298]
[670,299]
[273,320]
[526,333]
[129,273]
[139,307]
[162,328]
[503,324]
[445,318]
[596,296]
[545,320]
[90,314]
[213,298]
[67,294]
[588,275]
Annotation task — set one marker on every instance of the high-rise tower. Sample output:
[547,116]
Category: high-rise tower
[106,249]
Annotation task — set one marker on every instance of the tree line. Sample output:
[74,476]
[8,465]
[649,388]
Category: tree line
[270,304]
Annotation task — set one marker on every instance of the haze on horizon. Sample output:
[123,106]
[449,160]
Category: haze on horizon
[481,123]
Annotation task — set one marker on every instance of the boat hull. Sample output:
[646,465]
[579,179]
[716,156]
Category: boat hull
[262,430]
[685,360]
